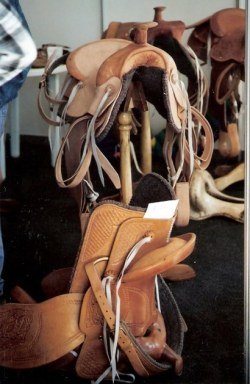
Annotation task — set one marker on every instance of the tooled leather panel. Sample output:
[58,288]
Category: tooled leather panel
[92,360]
[103,225]
[36,334]
[91,319]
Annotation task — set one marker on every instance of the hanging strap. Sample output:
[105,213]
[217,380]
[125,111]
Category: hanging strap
[44,90]
[77,177]
[201,161]
[140,361]
[232,86]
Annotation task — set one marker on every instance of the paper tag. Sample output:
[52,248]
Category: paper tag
[161,210]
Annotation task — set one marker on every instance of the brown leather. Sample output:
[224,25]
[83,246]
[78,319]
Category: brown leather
[18,295]
[57,282]
[225,30]
[229,26]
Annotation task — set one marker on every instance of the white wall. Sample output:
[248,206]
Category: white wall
[77,22]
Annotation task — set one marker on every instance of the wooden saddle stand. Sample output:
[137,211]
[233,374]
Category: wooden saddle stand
[107,81]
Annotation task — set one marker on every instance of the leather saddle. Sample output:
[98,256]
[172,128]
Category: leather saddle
[107,78]
[166,35]
[220,39]
[116,317]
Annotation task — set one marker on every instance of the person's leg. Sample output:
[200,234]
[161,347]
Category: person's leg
[3,114]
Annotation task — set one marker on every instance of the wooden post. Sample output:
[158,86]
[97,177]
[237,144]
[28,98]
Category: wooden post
[146,147]
[158,13]
[125,127]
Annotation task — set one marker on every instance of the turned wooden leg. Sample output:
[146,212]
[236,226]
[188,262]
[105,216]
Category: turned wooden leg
[125,126]
[146,147]
[237,174]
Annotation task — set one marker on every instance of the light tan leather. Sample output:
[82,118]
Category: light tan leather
[141,292]
[36,334]
[179,272]
[162,259]
[46,331]
[86,60]
[103,225]
[133,56]
[182,194]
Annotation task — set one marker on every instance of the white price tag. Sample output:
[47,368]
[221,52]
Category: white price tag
[161,210]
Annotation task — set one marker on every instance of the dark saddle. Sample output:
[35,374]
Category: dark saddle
[115,315]
[220,40]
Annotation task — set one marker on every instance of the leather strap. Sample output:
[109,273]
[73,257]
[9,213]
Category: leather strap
[146,267]
[77,177]
[182,194]
[126,341]
[233,85]
[43,90]
[202,161]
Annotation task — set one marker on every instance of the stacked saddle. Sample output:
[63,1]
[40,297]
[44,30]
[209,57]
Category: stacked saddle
[114,317]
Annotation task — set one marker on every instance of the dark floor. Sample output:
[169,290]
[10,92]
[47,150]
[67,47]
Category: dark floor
[43,233]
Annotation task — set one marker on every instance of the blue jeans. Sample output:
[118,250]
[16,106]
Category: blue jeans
[3,114]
